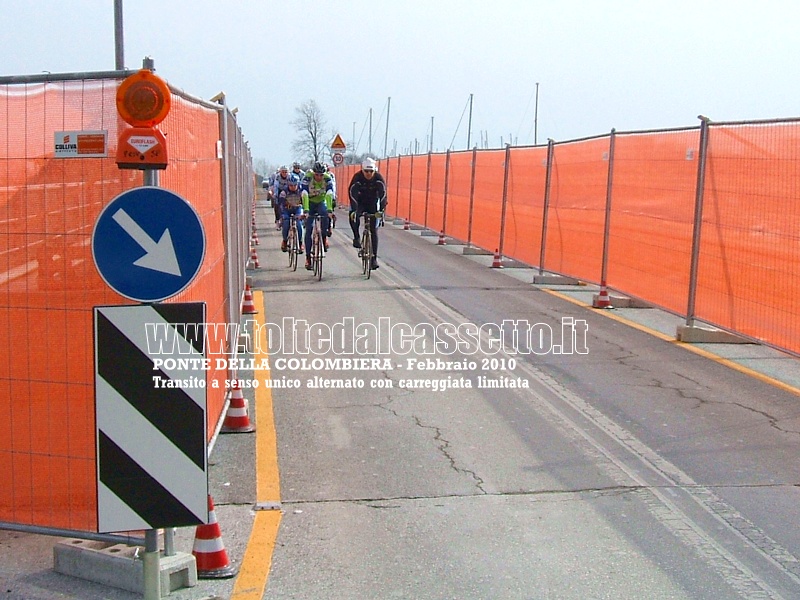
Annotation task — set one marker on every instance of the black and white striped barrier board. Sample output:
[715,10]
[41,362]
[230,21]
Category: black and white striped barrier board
[152,468]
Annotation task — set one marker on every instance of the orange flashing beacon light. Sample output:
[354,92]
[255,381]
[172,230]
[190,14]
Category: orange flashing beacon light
[143,101]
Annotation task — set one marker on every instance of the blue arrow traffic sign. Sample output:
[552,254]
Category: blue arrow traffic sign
[148,244]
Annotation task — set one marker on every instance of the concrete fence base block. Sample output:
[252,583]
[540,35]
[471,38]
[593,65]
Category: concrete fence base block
[415,227]
[548,279]
[475,251]
[121,566]
[696,334]
[623,302]
[399,222]
[429,233]
[510,263]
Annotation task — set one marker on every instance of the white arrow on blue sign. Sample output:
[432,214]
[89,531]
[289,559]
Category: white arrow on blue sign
[148,244]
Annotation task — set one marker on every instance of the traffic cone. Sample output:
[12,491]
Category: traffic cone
[248,306]
[237,419]
[254,258]
[406,226]
[441,241]
[209,551]
[602,300]
[254,238]
[496,264]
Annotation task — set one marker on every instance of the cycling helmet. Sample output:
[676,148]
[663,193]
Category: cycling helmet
[296,165]
[283,168]
[369,164]
[319,168]
[294,179]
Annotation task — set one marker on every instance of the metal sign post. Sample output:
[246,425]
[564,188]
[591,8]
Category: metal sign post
[148,245]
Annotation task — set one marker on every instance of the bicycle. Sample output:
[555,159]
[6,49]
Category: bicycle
[293,242]
[317,247]
[366,244]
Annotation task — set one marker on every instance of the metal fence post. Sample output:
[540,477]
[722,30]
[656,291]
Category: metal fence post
[427,188]
[550,152]
[698,220]
[472,195]
[607,226]
[397,185]
[446,187]
[506,169]
[410,186]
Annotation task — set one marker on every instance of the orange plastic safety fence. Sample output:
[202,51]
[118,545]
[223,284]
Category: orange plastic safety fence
[652,207]
[48,284]
[458,196]
[748,278]
[576,214]
[525,204]
[488,198]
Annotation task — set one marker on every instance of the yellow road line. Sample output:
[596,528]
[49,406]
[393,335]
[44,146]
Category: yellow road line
[254,571]
[686,346]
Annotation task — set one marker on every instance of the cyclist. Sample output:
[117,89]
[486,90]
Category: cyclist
[280,188]
[269,185]
[367,192]
[317,201]
[292,205]
[297,170]
[332,211]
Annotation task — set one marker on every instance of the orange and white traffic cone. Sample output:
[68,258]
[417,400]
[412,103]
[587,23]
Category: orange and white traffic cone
[254,238]
[237,419]
[209,551]
[406,226]
[496,264]
[254,258]
[441,241]
[602,300]
[248,306]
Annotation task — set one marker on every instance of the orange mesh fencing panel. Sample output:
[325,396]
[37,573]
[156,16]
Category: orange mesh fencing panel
[434,210]
[417,190]
[194,172]
[576,214]
[49,284]
[402,189]
[47,279]
[748,277]
[525,204]
[488,200]
[652,208]
[458,195]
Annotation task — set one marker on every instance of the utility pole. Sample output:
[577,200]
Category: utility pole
[119,42]
[370,132]
[431,146]
[469,126]
[536,116]
[386,135]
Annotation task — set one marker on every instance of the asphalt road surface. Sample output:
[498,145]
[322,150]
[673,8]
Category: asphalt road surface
[458,433]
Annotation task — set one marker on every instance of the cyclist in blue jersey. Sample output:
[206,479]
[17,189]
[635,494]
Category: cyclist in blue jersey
[292,204]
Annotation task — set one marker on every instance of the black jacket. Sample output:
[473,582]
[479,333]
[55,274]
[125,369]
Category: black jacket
[367,194]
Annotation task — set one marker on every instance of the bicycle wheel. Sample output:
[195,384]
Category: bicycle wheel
[366,252]
[319,252]
[294,249]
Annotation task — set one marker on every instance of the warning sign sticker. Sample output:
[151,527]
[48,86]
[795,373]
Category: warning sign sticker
[81,144]
[143,143]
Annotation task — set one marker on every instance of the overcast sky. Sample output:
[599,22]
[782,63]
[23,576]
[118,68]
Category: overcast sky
[600,64]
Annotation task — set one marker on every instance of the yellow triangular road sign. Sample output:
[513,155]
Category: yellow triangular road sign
[338,143]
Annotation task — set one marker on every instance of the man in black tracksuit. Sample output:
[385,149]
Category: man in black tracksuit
[367,195]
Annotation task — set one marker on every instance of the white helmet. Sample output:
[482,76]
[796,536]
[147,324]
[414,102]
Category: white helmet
[369,164]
